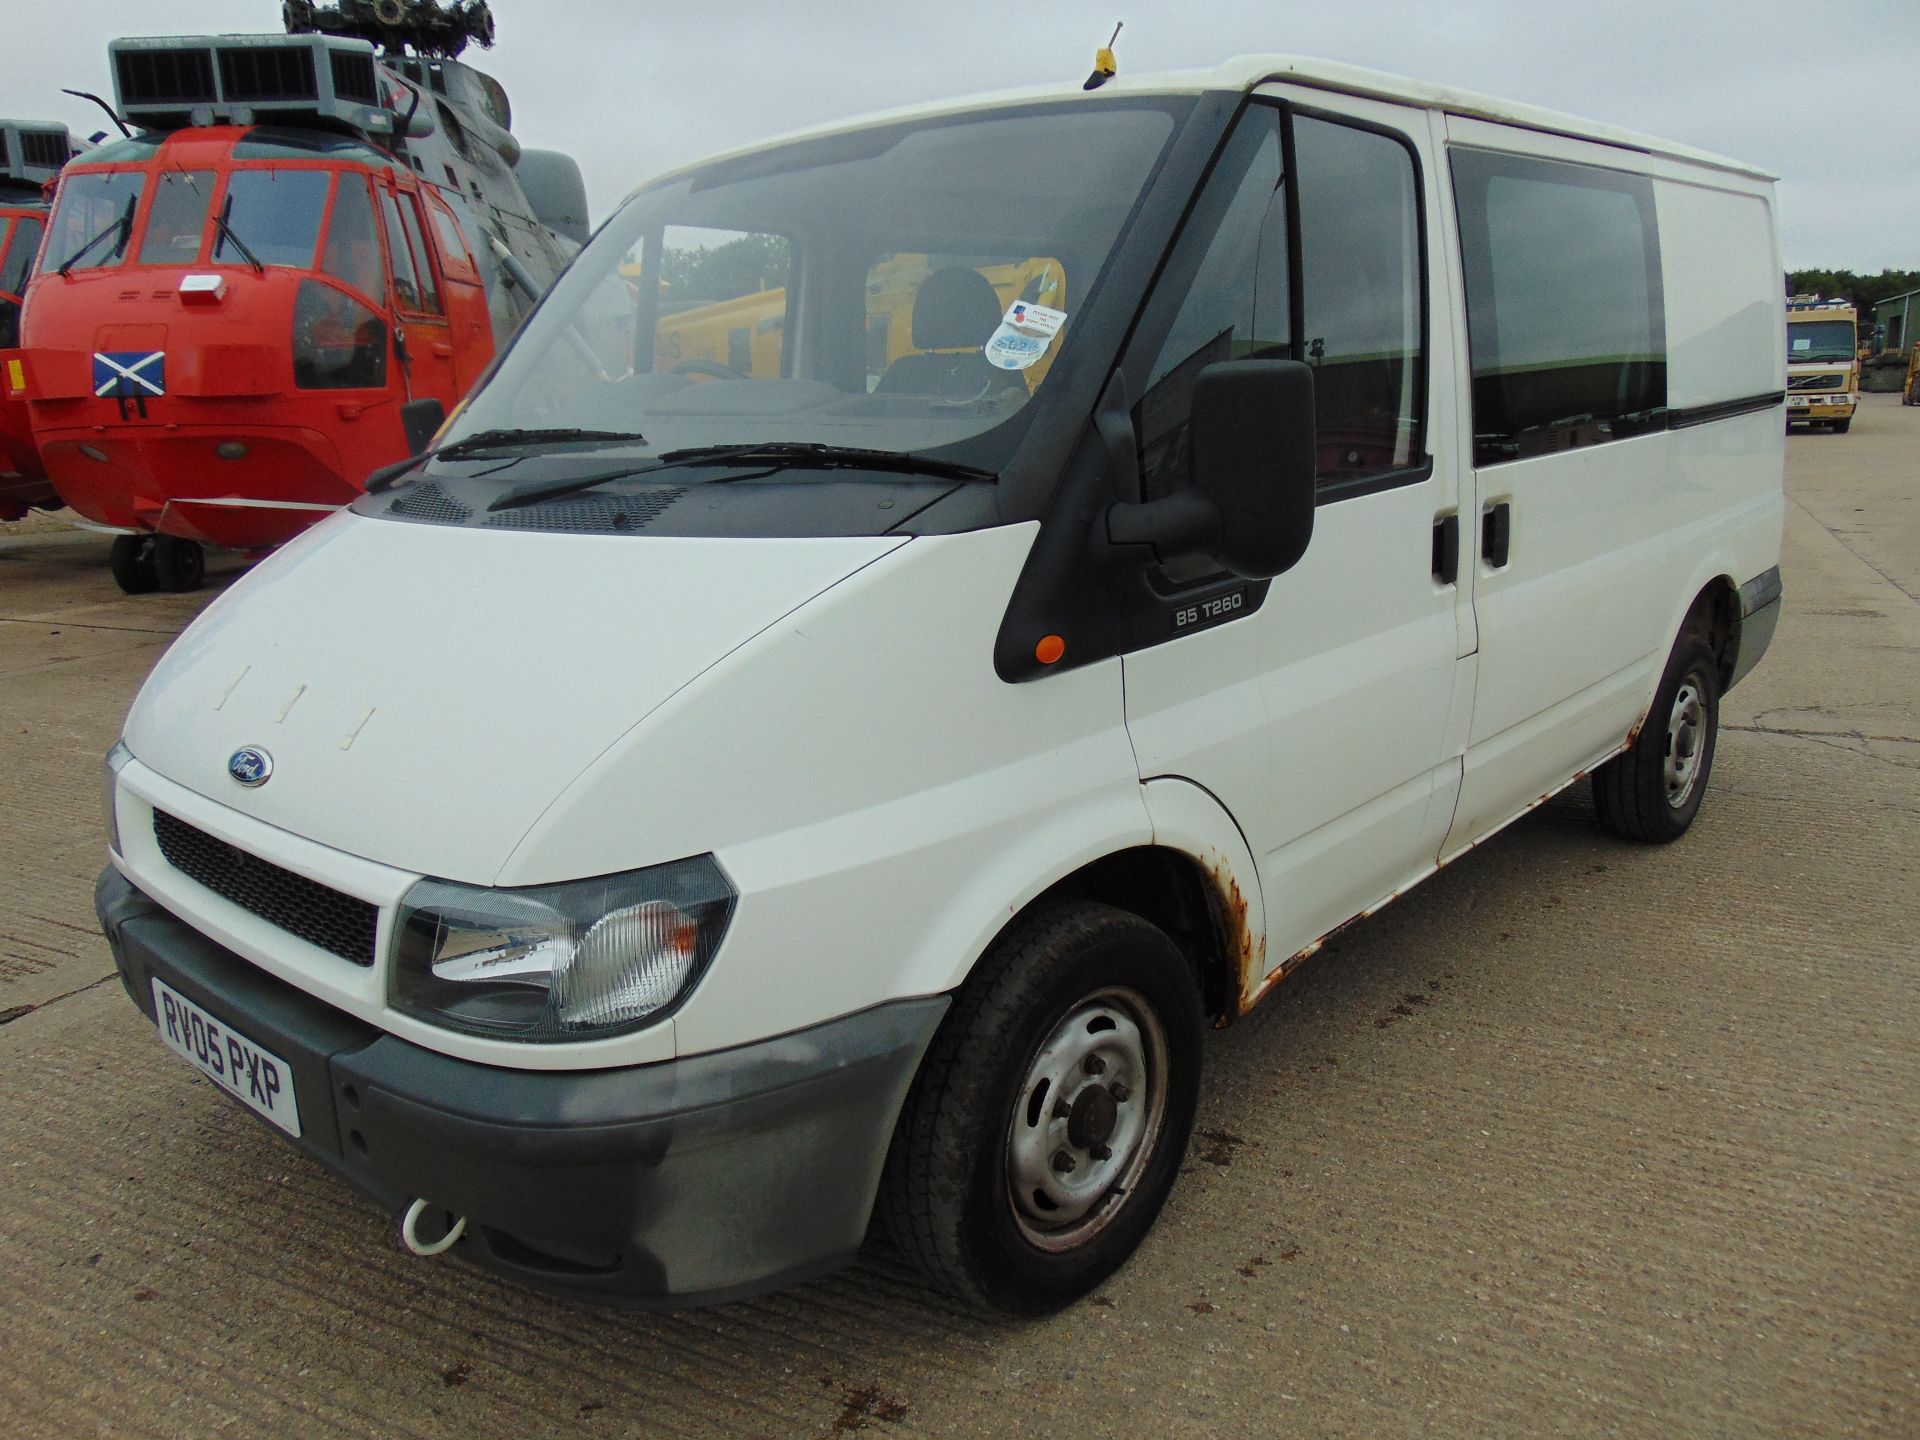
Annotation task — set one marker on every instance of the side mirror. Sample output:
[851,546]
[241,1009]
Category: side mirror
[1250,499]
[422,419]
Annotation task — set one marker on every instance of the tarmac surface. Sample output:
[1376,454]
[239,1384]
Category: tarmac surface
[1580,1138]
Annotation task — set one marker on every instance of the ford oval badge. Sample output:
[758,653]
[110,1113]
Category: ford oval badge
[250,765]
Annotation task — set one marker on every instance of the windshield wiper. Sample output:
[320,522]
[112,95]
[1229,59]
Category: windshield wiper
[528,439]
[783,454]
[220,224]
[123,225]
[759,460]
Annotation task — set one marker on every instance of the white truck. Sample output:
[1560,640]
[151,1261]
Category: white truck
[703,801]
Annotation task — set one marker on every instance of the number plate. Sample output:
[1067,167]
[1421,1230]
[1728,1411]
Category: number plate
[258,1078]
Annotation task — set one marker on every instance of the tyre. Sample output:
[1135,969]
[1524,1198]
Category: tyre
[1840,427]
[178,565]
[132,564]
[1653,790]
[1051,1114]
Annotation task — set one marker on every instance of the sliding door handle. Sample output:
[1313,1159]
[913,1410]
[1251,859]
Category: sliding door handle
[1446,549]
[1496,534]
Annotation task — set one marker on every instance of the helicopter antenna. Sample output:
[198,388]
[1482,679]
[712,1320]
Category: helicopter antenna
[1105,67]
[112,114]
[426,27]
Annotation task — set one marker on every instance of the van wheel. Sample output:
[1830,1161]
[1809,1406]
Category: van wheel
[131,560]
[1048,1121]
[1653,791]
[178,565]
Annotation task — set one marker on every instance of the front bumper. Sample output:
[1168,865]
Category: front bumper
[684,1183]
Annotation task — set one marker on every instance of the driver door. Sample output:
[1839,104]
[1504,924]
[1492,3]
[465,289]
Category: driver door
[1319,709]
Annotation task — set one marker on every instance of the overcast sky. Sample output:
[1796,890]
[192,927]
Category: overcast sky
[1823,94]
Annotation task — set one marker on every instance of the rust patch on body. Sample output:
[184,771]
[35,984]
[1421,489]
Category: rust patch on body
[1248,949]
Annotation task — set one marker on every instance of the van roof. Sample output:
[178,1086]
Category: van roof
[1244,72]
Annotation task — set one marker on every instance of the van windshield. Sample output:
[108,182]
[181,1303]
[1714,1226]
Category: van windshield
[895,289]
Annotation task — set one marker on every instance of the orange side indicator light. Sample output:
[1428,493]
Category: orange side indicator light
[1050,649]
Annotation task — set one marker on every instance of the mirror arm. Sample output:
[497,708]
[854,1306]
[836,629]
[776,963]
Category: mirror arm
[1184,523]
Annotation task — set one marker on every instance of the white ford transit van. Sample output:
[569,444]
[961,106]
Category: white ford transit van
[928,615]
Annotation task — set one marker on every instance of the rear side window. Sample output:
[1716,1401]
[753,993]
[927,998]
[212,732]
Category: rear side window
[1565,316]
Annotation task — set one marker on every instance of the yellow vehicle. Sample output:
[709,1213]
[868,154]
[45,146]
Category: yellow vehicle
[1910,392]
[1823,362]
[743,335]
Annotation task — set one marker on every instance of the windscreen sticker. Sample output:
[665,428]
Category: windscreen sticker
[1024,335]
[1802,342]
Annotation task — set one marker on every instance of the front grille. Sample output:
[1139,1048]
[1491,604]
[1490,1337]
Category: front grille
[1816,382]
[316,913]
[267,73]
[165,77]
[590,514]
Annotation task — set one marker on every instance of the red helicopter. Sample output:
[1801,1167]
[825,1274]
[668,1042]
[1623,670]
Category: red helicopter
[30,157]
[285,279]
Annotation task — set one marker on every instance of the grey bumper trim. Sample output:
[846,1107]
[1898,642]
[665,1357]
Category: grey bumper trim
[689,1182]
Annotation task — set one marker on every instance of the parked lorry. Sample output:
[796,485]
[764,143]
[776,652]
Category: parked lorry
[1823,363]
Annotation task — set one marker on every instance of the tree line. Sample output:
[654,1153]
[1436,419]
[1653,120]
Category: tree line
[1863,290]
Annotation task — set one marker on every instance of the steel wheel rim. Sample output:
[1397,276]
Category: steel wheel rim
[1111,1042]
[1686,738]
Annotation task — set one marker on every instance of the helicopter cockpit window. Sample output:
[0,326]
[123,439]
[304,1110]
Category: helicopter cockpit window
[17,258]
[353,248]
[410,292]
[273,214]
[177,219]
[93,219]
[422,261]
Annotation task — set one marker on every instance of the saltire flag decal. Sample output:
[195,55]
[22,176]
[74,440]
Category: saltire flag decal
[129,374]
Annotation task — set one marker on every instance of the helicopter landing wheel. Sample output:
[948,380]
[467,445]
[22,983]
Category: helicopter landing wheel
[132,562]
[178,565]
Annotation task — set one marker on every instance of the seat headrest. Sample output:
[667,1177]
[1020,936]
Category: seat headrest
[955,309]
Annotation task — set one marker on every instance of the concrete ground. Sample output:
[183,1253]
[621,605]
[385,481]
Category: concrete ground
[1579,1138]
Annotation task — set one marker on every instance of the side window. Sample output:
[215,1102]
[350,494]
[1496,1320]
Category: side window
[454,254]
[1565,315]
[406,279]
[1361,267]
[353,249]
[422,260]
[1236,307]
[1362,322]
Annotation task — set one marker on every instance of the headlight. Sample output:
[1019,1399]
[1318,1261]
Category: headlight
[558,962]
[117,759]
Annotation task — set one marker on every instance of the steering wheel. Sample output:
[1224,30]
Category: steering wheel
[709,367]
